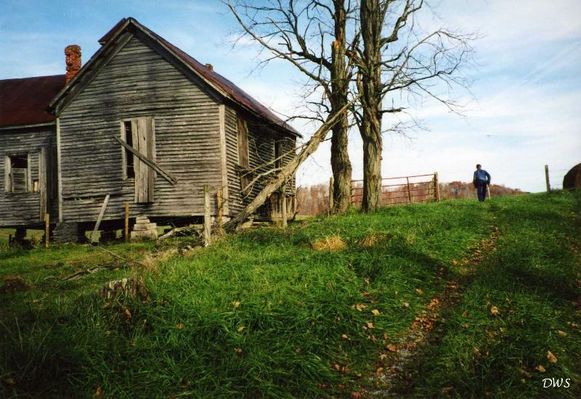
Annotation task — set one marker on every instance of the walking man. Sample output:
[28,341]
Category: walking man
[481,180]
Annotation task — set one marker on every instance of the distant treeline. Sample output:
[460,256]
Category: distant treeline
[314,200]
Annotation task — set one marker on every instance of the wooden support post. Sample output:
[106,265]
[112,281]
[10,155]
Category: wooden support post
[283,209]
[331,192]
[436,187]
[100,218]
[126,229]
[547,181]
[409,190]
[207,217]
[46,229]
[220,206]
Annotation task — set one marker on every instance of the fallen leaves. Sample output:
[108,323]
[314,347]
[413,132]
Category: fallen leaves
[340,368]
[236,304]
[391,348]
[561,333]
[359,306]
[180,326]
[376,312]
[127,314]
[540,369]
[551,357]
[434,303]
[8,380]
[14,284]
[494,311]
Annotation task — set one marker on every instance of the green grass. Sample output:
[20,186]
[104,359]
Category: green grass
[262,314]
[532,279]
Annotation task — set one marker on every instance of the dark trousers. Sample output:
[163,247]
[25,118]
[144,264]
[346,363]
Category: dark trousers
[481,191]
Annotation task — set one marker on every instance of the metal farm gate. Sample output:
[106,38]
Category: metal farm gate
[401,190]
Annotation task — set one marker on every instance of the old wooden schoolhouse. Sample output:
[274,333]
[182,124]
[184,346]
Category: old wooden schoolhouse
[141,123]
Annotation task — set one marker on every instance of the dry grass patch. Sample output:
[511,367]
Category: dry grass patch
[330,243]
[372,239]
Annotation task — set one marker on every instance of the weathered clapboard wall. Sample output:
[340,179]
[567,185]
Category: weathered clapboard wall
[138,82]
[261,151]
[24,208]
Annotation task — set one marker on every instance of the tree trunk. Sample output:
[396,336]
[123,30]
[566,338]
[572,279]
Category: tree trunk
[371,174]
[340,163]
[372,17]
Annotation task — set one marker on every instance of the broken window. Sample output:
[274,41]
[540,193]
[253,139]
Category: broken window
[243,158]
[17,173]
[128,161]
[278,154]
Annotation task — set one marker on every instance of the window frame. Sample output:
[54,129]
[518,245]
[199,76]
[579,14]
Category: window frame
[9,175]
[124,152]
[143,179]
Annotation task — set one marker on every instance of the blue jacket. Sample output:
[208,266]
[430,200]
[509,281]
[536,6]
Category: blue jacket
[481,176]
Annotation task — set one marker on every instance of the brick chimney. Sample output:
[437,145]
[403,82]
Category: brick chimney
[72,60]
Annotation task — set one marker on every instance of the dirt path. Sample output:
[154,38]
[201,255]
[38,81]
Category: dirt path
[394,375]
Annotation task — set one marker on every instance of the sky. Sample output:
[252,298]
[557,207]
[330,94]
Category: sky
[522,109]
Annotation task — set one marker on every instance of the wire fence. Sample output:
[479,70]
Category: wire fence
[401,190]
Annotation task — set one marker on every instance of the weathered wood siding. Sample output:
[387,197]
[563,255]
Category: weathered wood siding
[138,82]
[23,209]
[261,148]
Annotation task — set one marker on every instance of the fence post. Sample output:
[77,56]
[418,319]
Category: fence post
[409,190]
[436,187]
[126,227]
[46,229]
[283,208]
[207,218]
[220,206]
[331,203]
[547,181]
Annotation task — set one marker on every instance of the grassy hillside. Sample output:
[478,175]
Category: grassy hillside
[323,309]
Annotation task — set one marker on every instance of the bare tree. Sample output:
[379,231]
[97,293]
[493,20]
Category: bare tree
[396,57]
[301,32]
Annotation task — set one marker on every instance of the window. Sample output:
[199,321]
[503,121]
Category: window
[128,161]
[278,154]
[17,173]
[243,158]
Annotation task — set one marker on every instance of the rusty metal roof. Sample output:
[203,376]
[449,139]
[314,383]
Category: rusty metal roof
[233,92]
[25,101]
